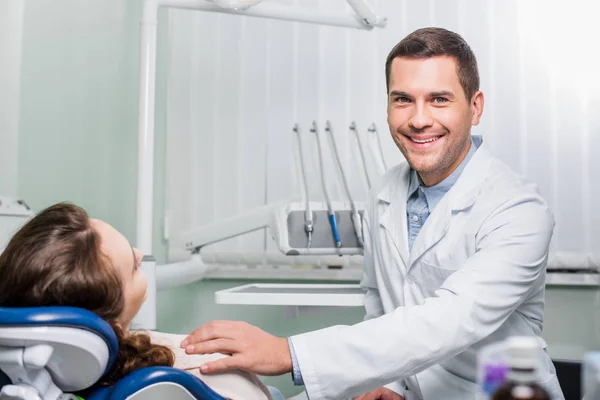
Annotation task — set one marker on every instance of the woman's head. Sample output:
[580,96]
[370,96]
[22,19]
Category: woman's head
[61,257]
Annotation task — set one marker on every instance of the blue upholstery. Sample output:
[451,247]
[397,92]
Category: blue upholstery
[63,316]
[145,377]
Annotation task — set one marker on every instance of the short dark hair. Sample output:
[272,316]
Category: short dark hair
[437,42]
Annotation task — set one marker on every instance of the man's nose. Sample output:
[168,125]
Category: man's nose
[421,119]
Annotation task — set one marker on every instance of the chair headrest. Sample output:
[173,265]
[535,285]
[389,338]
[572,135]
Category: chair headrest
[77,336]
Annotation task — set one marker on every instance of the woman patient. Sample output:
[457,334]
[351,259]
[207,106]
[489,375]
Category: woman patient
[62,257]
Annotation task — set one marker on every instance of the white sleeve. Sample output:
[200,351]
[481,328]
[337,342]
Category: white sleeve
[511,255]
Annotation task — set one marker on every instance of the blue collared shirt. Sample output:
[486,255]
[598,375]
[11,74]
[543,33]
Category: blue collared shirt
[421,202]
[422,199]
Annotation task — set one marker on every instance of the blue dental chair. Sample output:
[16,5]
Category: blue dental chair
[47,353]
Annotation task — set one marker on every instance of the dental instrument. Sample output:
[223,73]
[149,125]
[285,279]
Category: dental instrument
[308,215]
[356,219]
[362,153]
[376,148]
[331,213]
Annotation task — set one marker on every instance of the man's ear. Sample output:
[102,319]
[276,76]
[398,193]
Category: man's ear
[477,107]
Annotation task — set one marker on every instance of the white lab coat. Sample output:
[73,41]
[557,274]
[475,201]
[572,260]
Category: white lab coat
[475,275]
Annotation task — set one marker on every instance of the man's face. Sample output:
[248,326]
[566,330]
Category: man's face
[429,116]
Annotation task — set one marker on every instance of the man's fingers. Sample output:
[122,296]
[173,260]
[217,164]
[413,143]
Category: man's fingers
[225,346]
[221,365]
[210,331]
[380,394]
[369,396]
[391,396]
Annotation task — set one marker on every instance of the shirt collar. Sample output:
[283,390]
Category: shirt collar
[434,194]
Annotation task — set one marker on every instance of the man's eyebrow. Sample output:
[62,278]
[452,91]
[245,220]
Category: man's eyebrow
[399,93]
[441,93]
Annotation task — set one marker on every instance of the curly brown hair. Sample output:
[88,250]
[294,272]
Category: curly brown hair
[55,259]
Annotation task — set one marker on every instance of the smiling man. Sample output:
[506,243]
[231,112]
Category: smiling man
[456,246]
[431,109]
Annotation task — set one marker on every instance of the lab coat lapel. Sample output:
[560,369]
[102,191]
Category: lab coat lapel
[392,209]
[460,197]
[433,231]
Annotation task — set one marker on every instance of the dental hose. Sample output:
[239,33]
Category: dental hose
[356,220]
[308,222]
[362,153]
[332,221]
[379,150]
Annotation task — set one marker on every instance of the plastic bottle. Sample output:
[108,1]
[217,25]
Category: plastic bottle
[494,375]
[523,360]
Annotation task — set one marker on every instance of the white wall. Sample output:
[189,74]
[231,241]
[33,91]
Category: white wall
[78,107]
[11,20]
[237,85]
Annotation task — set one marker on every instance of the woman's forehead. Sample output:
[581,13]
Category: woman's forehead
[111,239]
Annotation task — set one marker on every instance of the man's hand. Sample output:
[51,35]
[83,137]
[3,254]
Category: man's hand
[251,349]
[380,394]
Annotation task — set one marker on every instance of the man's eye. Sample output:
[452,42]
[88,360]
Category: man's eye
[402,99]
[440,100]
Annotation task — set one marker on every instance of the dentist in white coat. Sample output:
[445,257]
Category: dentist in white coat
[456,246]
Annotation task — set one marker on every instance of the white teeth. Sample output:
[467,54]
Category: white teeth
[424,141]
